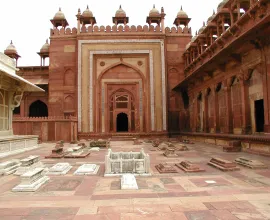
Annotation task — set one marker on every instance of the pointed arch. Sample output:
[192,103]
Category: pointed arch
[38,109]
[118,64]
[69,104]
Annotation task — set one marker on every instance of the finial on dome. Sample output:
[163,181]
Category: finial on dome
[87,7]
[203,23]
[79,10]
[11,42]
[120,7]
[46,41]
[196,33]
[214,12]
[181,8]
[59,8]
[154,6]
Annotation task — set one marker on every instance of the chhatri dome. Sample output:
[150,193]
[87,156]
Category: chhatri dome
[154,12]
[87,13]
[59,15]
[11,47]
[45,47]
[120,12]
[211,17]
[221,4]
[182,14]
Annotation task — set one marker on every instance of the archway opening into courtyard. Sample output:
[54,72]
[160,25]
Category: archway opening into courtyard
[38,109]
[259,115]
[122,122]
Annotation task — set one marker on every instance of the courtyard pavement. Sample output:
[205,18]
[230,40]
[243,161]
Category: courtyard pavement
[243,194]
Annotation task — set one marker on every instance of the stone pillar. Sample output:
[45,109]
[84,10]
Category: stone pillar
[245,105]
[216,110]
[205,113]
[265,70]
[227,89]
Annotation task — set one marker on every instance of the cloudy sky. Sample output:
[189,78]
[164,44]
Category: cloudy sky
[28,24]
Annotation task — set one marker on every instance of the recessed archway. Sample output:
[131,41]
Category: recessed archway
[38,109]
[122,122]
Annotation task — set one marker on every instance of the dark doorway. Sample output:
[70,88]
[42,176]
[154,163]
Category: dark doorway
[122,122]
[38,109]
[259,115]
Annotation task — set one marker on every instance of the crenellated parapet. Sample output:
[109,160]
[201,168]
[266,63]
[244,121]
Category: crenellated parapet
[120,30]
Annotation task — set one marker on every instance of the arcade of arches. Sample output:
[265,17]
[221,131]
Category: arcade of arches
[157,81]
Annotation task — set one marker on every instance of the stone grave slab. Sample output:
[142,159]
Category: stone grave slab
[253,164]
[59,169]
[128,181]
[87,169]
[78,154]
[224,165]
[170,151]
[189,167]
[94,149]
[163,146]
[165,168]
[9,167]
[28,164]
[57,152]
[31,180]
[181,147]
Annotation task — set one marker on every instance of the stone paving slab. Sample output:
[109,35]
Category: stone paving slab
[243,194]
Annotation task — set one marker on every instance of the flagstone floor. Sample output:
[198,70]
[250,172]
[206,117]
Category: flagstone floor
[209,195]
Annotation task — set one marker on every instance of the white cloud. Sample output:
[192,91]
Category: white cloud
[28,24]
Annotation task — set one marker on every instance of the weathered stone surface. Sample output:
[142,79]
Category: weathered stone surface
[31,181]
[127,162]
[223,165]
[165,168]
[170,151]
[59,169]
[234,146]
[9,167]
[163,146]
[181,147]
[188,166]
[57,152]
[128,181]
[253,164]
[28,164]
[87,169]
[100,143]
[78,153]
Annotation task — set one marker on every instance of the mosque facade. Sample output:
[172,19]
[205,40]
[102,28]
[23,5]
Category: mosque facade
[154,80]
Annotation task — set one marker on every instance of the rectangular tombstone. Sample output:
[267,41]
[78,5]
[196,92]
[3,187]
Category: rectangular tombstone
[223,165]
[78,154]
[188,166]
[253,164]
[9,167]
[87,169]
[128,181]
[60,169]
[29,160]
[31,181]
[165,168]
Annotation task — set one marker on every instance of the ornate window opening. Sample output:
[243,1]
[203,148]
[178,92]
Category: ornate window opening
[4,110]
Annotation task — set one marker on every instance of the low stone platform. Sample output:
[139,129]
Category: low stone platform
[59,169]
[9,167]
[87,169]
[78,154]
[189,167]
[165,168]
[253,164]
[224,165]
[170,151]
[31,181]
[57,152]
[28,164]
